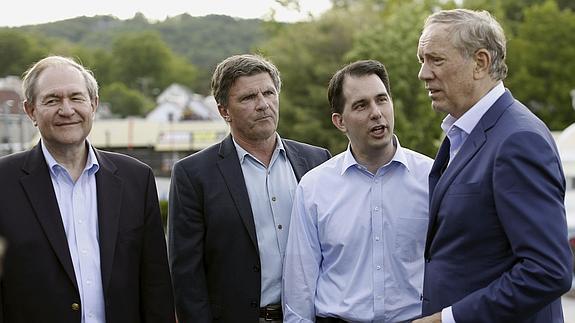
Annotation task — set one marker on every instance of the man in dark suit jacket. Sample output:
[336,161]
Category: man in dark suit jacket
[82,226]
[230,203]
[497,247]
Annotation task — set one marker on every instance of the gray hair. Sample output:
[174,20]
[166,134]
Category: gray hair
[473,30]
[30,77]
[234,67]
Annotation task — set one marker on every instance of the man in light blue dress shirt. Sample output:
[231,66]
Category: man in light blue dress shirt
[355,248]
[230,203]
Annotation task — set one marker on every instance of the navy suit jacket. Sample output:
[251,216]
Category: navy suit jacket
[213,249]
[38,284]
[497,247]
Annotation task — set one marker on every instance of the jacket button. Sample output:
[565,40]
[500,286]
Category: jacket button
[75,307]
[427,260]
[256,268]
[254,304]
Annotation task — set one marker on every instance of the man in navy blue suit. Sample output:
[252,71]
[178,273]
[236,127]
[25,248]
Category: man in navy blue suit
[496,247]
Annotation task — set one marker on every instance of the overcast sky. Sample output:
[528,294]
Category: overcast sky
[28,12]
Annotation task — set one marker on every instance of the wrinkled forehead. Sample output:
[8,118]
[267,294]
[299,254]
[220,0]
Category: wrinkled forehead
[434,37]
[60,81]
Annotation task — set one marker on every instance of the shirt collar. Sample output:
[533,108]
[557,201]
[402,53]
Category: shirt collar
[242,153]
[92,164]
[469,119]
[350,161]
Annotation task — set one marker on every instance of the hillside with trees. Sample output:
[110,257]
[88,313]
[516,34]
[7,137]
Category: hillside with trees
[135,59]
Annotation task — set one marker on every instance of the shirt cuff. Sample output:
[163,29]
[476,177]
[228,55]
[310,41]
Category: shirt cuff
[447,315]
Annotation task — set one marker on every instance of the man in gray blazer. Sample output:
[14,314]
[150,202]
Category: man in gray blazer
[230,204]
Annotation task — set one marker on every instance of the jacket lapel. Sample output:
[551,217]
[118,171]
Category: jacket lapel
[439,183]
[109,188]
[38,187]
[299,164]
[229,165]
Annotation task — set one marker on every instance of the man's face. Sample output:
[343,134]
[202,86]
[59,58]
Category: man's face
[62,108]
[367,117]
[448,76]
[253,108]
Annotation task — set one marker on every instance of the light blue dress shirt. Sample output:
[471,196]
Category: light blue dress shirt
[355,249]
[457,130]
[78,206]
[271,191]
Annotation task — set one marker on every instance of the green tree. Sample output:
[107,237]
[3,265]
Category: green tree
[18,50]
[125,102]
[541,63]
[143,61]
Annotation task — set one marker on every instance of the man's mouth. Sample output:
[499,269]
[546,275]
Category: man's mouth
[377,130]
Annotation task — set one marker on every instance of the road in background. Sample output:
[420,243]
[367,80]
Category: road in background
[569,308]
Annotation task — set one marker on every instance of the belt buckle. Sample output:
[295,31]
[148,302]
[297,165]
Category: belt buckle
[269,313]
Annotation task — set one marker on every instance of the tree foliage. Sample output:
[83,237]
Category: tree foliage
[145,56]
[541,63]
[123,101]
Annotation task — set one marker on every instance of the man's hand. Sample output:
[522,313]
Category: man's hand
[435,318]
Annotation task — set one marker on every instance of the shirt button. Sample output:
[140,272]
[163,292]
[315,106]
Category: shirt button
[376,209]
[378,267]
[280,226]
[376,238]
[75,307]
[80,221]
[273,198]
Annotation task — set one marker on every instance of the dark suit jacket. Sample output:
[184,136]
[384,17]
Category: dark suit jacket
[212,242]
[496,246]
[38,283]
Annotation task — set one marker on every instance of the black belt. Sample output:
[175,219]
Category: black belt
[271,312]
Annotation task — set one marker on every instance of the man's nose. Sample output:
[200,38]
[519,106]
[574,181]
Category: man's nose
[424,73]
[262,102]
[66,108]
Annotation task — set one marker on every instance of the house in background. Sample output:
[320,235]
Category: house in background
[178,103]
[16,129]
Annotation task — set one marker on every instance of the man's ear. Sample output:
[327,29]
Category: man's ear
[482,59]
[29,108]
[337,120]
[95,103]
[224,112]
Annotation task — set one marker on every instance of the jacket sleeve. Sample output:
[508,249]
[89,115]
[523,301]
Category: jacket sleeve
[157,302]
[186,249]
[528,189]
